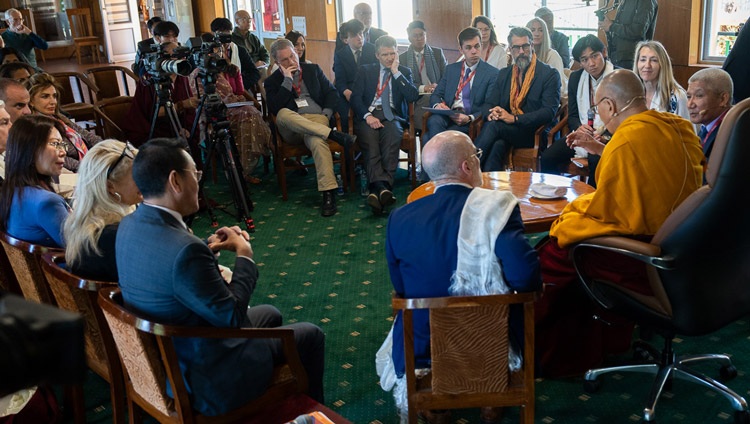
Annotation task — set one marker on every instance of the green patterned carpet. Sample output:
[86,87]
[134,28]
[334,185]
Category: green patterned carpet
[332,272]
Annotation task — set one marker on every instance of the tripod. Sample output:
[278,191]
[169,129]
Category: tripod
[219,139]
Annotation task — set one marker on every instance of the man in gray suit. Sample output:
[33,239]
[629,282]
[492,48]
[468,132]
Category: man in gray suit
[168,275]
[427,65]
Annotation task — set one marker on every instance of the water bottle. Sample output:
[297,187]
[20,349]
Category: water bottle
[340,183]
[364,191]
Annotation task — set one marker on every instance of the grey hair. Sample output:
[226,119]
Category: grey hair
[716,80]
[8,12]
[280,44]
[386,41]
[447,163]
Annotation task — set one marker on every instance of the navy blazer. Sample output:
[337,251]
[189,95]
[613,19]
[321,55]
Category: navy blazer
[422,252]
[484,81]
[365,87]
[345,68]
[170,276]
[541,103]
[321,90]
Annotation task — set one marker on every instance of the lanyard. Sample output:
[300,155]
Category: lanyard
[421,64]
[298,88]
[382,87]
[462,83]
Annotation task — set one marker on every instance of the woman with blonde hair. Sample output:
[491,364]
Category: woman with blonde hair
[44,92]
[544,51]
[104,194]
[663,92]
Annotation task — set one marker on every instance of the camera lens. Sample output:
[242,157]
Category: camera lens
[177,66]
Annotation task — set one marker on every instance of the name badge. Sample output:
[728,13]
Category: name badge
[301,102]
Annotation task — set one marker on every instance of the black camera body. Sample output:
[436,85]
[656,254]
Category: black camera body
[159,63]
[203,56]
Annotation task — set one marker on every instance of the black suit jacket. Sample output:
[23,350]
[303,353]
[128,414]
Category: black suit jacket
[345,68]
[542,101]
[321,90]
[375,33]
[402,90]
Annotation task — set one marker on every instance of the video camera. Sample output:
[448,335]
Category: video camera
[203,55]
[159,63]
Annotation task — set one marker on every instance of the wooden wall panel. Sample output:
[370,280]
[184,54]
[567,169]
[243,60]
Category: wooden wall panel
[444,20]
[321,29]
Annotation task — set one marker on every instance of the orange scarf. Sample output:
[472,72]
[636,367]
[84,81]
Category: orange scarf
[517,98]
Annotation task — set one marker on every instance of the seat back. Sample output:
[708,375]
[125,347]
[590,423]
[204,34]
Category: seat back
[76,88]
[8,280]
[113,113]
[25,260]
[113,81]
[80,22]
[708,238]
[469,354]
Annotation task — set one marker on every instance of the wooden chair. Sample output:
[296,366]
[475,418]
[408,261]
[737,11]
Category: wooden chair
[25,259]
[8,280]
[408,146]
[149,360]
[112,114]
[527,159]
[469,354]
[112,81]
[77,97]
[83,32]
[79,295]
[283,150]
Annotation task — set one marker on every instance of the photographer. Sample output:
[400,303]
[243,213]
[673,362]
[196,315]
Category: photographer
[251,134]
[235,54]
[138,122]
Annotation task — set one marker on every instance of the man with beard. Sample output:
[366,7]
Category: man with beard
[526,96]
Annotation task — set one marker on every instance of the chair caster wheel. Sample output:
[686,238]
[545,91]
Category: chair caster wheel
[728,372]
[742,417]
[591,386]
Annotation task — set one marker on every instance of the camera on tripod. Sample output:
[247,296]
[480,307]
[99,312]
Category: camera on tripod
[160,63]
[203,55]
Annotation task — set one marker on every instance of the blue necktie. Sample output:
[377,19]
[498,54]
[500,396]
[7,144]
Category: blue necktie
[466,93]
[702,134]
[385,98]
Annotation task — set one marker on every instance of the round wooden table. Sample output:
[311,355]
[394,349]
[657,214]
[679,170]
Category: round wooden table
[537,214]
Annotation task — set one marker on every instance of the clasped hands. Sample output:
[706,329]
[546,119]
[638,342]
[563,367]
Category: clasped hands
[499,114]
[233,239]
[586,138]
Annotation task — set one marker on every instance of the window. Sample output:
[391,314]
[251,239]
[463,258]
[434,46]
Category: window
[268,16]
[398,13]
[723,18]
[574,18]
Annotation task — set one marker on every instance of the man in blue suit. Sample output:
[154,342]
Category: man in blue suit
[463,88]
[709,96]
[346,63]
[382,92]
[526,96]
[422,247]
[170,276]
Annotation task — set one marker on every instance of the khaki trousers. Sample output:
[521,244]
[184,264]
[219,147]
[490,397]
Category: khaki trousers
[313,131]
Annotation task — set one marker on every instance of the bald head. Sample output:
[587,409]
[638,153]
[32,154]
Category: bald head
[446,156]
[621,85]
[363,13]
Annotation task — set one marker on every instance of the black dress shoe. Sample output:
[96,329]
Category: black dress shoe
[344,139]
[329,203]
[386,198]
[374,202]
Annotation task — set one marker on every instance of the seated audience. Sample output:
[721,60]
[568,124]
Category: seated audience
[171,276]
[251,133]
[382,92]
[427,64]
[709,98]
[592,55]
[18,71]
[21,38]
[559,41]
[139,118]
[16,98]
[146,45]
[237,55]
[464,88]
[45,93]
[346,63]
[5,124]
[545,53]
[493,51]
[480,247]
[164,32]
[243,37]
[654,68]
[651,164]
[526,96]
[30,209]
[303,100]
[737,62]
[363,13]
[300,47]
[104,194]
[11,55]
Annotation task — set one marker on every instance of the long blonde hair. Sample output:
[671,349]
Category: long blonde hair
[93,206]
[667,84]
[544,47]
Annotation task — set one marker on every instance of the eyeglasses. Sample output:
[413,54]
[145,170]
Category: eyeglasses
[198,174]
[593,56]
[526,47]
[58,145]
[477,153]
[244,19]
[128,147]
[595,108]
